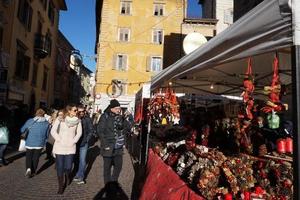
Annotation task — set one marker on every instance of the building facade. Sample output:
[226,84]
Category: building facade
[30,31]
[62,93]
[85,80]
[222,10]
[135,40]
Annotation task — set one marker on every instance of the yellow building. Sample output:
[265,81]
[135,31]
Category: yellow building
[29,32]
[135,40]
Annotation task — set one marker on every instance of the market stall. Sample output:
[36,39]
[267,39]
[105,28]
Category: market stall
[221,67]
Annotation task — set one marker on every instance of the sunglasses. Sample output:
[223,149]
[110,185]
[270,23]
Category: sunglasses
[75,110]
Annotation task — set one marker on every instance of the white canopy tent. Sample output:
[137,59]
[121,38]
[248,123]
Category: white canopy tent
[266,28]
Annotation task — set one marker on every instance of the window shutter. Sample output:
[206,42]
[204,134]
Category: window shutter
[20,9]
[148,66]
[154,36]
[114,62]
[124,63]
[29,19]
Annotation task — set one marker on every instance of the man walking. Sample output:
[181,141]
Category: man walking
[111,129]
[87,132]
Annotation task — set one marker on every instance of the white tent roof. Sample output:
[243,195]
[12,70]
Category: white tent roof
[266,28]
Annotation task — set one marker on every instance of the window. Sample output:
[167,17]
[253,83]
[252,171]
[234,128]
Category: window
[22,63]
[34,74]
[156,64]
[45,78]
[124,34]
[120,62]
[158,10]
[48,44]
[125,8]
[51,12]
[25,14]
[157,36]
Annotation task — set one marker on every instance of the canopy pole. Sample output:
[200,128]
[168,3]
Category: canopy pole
[295,4]
[296,116]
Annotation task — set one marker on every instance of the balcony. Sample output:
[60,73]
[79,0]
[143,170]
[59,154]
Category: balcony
[41,47]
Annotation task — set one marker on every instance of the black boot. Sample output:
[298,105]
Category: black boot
[60,185]
[68,178]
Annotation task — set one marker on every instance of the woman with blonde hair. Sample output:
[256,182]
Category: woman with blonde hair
[35,141]
[66,133]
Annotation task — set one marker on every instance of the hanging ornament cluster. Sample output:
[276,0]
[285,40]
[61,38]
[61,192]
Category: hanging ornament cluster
[163,108]
[247,94]
[275,92]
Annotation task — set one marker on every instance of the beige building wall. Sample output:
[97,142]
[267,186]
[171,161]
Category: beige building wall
[140,47]
[23,90]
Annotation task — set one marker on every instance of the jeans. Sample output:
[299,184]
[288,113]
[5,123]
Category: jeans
[82,161]
[32,159]
[115,161]
[64,164]
[2,149]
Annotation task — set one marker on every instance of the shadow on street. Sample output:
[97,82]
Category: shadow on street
[46,165]
[115,193]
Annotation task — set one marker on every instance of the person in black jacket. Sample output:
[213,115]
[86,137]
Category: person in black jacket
[82,147]
[111,130]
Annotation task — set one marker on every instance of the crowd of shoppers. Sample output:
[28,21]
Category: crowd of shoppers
[66,134]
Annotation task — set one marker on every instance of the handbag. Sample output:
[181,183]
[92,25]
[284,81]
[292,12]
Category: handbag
[25,133]
[22,145]
[4,136]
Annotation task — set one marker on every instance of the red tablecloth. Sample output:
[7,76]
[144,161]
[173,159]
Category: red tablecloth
[162,183]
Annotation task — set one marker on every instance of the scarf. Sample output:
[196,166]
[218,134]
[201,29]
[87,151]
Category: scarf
[71,121]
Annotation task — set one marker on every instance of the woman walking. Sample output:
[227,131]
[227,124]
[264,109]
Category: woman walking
[36,139]
[66,133]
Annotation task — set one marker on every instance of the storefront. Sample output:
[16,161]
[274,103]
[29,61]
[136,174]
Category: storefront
[221,67]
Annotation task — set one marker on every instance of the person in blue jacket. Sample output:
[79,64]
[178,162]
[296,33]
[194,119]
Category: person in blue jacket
[35,141]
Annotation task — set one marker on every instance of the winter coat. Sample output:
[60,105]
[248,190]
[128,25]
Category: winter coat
[111,133]
[66,134]
[87,130]
[38,128]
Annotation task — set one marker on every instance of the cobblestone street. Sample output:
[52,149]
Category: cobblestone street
[14,185]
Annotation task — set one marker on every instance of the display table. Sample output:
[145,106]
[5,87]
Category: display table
[163,183]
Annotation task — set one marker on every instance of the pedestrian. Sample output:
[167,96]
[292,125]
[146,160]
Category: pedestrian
[82,145]
[36,139]
[56,114]
[66,133]
[50,140]
[4,139]
[111,129]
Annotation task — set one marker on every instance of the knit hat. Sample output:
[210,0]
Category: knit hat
[114,103]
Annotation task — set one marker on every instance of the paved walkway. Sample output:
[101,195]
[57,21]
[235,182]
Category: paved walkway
[13,184]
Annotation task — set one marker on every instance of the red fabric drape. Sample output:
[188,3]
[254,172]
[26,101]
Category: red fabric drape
[162,183]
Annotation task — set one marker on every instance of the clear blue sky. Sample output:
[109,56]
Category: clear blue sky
[78,25]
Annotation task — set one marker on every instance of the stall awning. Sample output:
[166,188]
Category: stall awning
[266,28]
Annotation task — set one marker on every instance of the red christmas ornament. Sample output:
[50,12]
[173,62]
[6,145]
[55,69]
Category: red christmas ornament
[228,196]
[259,190]
[247,195]
[289,145]
[281,146]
